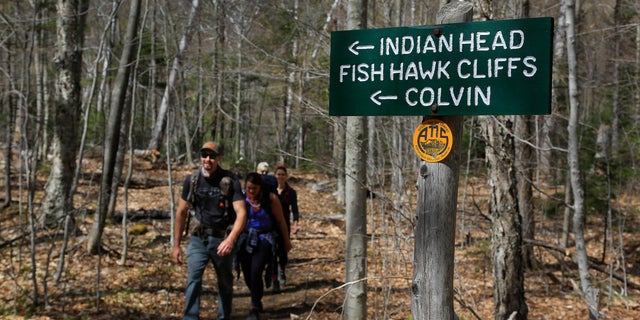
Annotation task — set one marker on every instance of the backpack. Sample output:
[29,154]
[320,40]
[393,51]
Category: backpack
[265,203]
[225,201]
[270,183]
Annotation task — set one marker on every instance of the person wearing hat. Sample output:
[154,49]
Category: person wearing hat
[209,192]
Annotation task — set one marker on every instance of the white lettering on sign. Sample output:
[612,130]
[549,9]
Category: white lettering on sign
[466,42]
[463,96]
[498,67]
[505,63]
[438,70]
[409,45]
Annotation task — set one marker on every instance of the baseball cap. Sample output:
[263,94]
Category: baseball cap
[212,146]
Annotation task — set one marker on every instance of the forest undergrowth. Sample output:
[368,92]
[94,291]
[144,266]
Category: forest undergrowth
[149,286]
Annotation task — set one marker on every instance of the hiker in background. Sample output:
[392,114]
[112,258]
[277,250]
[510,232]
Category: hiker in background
[209,192]
[289,202]
[258,243]
[269,182]
[262,168]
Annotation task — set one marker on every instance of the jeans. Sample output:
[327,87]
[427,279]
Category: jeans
[199,251]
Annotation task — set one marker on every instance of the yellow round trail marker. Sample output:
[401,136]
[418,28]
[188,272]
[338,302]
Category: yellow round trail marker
[432,140]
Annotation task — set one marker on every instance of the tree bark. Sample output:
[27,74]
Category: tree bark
[355,306]
[158,133]
[524,177]
[8,101]
[506,224]
[589,292]
[112,137]
[58,200]
[524,162]
[432,289]
[338,158]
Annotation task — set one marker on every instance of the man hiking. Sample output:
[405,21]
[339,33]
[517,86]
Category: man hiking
[216,198]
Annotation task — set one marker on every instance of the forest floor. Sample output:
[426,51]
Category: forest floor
[149,286]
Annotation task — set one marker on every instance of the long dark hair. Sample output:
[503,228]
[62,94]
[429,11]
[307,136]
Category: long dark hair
[254,178]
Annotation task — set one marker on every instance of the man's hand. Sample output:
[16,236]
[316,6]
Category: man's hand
[225,247]
[177,255]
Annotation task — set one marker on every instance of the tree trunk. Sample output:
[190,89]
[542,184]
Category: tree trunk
[112,137]
[589,292]
[8,101]
[615,98]
[157,135]
[338,158]
[432,289]
[218,70]
[355,306]
[356,211]
[289,132]
[506,224]
[524,176]
[524,163]
[58,201]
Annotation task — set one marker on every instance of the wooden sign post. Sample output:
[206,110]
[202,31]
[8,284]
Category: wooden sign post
[441,72]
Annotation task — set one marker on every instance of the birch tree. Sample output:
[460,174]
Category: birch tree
[355,306]
[58,200]
[589,292]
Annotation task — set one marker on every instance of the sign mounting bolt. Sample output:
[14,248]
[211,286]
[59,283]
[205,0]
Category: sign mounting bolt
[437,32]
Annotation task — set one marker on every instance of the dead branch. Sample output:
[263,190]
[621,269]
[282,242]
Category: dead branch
[593,263]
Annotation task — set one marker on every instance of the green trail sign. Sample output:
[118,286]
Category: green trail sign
[474,68]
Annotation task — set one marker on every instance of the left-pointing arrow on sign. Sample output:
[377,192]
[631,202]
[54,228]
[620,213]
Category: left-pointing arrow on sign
[354,47]
[376,97]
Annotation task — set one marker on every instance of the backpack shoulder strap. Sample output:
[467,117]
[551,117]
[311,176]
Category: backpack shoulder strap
[193,186]
[265,202]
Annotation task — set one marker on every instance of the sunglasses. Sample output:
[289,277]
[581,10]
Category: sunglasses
[205,155]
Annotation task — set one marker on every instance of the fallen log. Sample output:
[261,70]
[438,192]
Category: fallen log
[141,214]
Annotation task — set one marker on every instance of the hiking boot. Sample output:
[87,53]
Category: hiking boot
[225,186]
[254,314]
[276,286]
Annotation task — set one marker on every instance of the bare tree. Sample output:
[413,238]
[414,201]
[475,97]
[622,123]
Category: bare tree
[58,201]
[114,126]
[338,157]
[589,292]
[355,306]
[506,173]
[524,163]
[157,136]
[506,224]
[8,102]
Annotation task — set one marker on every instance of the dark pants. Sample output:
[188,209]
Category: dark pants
[282,254]
[253,266]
